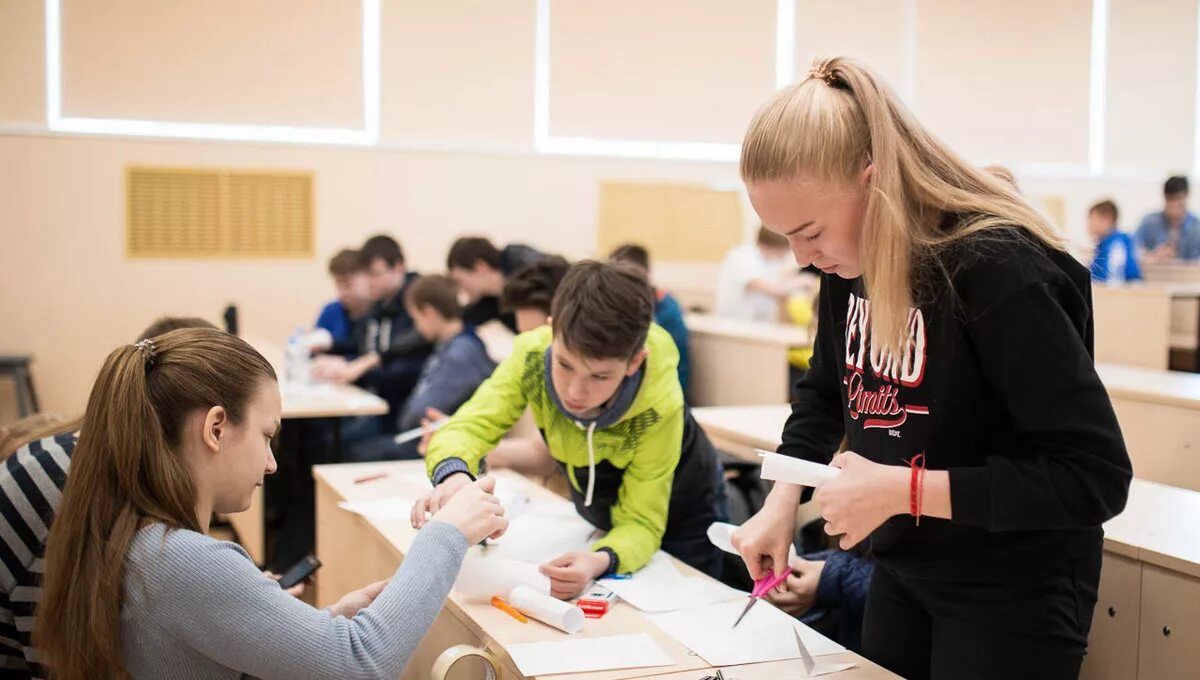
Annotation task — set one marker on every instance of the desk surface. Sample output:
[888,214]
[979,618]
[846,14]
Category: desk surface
[317,400]
[755,426]
[1174,388]
[763,332]
[497,629]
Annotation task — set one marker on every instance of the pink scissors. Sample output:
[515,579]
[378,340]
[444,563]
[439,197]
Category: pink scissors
[761,588]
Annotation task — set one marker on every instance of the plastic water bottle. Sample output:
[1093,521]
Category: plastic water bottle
[298,359]
[1117,257]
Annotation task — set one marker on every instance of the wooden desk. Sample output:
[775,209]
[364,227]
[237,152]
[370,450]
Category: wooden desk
[1145,325]
[299,401]
[1159,413]
[357,550]
[738,430]
[738,362]
[1147,619]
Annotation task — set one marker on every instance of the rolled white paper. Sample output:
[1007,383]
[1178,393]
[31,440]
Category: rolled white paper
[795,470]
[549,610]
[481,579]
[720,534]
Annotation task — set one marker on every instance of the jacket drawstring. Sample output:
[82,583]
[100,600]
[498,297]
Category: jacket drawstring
[587,501]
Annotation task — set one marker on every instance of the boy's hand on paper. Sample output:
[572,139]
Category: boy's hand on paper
[801,592]
[572,573]
[765,540]
[475,511]
[328,367]
[352,602]
[865,495]
[432,415]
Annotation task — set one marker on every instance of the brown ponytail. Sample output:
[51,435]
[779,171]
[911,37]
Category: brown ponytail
[128,470]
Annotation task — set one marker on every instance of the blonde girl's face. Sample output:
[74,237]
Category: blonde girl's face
[822,223]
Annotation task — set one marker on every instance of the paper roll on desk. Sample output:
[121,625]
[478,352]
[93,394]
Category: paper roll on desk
[782,468]
[481,579]
[547,609]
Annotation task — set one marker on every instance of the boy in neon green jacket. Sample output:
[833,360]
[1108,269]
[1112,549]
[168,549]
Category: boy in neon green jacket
[604,391]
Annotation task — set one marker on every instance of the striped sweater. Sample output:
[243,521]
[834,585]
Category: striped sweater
[31,483]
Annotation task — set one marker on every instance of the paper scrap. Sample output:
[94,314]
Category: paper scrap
[782,468]
[659,587]
[580,655]
[764,635]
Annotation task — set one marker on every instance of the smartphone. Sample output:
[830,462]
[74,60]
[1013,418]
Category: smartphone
[300,571]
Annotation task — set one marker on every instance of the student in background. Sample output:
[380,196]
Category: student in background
[31,484]
[1173,233]
[954,359]
[529,293]
[353,301]
[391,351]
[602,384]
[750,285]
[667,311]
[480,270]
[451,374]
[178,428]
[1114,258]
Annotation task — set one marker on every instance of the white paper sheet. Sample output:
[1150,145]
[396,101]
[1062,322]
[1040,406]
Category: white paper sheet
[541,532]
[794,470]
[764,635]
[482,578]
[579,655]
[659,587]
[387,508]
[721,533]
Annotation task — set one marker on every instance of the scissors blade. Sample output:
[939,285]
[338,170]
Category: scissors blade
[745,611]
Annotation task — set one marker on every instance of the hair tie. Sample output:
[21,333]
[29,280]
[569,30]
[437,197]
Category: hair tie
[148,350]
[823,72]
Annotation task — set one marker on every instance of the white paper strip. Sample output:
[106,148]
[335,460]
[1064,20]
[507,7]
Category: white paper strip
[782,468]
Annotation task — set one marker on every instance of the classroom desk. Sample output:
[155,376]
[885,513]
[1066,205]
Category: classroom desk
[1155,325]
[1147,619]
[1159,414]
[738,362]
[299,401]
[738,430]
[357,550]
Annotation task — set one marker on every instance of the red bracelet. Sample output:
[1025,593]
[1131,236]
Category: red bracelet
[917,486]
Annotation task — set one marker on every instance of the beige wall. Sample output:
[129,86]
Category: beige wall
[457,153]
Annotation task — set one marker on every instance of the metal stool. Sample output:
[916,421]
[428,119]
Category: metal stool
[17,366]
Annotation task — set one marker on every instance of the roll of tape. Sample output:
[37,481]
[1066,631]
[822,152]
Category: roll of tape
[452,655]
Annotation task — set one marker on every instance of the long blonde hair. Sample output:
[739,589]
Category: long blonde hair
[829,127]
[127,470]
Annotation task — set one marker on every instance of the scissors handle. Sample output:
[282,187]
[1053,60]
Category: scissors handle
[766,583]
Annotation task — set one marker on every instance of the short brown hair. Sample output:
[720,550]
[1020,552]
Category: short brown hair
[534,286]
[167,324]
[381,247]
[468,250]
[602,310]
[1106,208]
[631,253]
[437,291]
[346,262]
[769,239]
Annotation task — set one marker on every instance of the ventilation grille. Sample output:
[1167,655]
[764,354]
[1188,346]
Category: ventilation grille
[201,213]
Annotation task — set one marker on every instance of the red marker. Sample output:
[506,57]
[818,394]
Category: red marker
[370,478]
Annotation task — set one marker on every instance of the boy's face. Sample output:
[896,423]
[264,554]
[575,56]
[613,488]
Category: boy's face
[530,318]
[383,280]
[354,292]
[1176,207]
[471,282]
[584,384]
[426,320]
[1099,225]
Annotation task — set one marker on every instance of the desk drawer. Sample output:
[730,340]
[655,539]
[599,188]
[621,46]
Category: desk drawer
[1113,644]
[1169,645]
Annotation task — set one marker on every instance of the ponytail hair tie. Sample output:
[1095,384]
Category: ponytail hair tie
[148,350]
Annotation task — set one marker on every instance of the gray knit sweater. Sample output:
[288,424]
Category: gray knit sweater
[198,608]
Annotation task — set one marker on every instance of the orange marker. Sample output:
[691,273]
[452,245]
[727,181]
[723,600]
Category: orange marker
[508,609]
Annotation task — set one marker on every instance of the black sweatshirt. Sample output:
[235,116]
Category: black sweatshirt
[999,388]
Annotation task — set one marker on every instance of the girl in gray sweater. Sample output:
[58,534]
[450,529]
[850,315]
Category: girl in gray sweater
[179,427]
